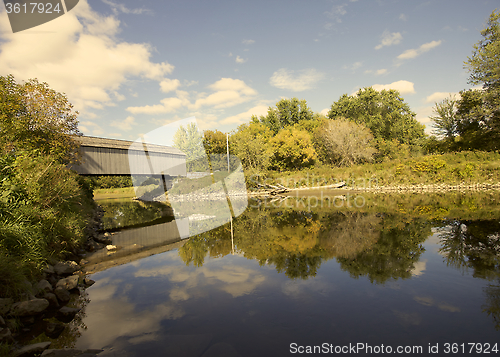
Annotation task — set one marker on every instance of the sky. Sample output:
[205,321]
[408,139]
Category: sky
[130,67]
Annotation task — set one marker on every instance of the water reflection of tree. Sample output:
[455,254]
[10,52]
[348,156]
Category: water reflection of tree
[297,242]
[395,253]
[126,213]
[476,245]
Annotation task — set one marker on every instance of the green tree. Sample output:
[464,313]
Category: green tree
[35,117]
[445,118]
[286,113]
[251,144]
[190,141]
[345,143]
[214,142]
[292,149]
[484,68]
[384,112]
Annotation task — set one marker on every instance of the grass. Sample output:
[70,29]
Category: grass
[450,168]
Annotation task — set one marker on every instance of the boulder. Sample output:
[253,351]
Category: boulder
[66,268]
[70,352]
[54,330]
[66,314]
[6,335]
[88,282]
[30,307]
[52,299]
[5,305]
[43,286]
[68,283]
[62,294]
[49,269]
[31,350]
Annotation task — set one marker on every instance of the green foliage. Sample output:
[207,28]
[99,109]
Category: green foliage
[292,149]
[286,113]
[344,143]
[35,117]
[42,214]
[114,182]
[190,141]
[445,120]
[251,144]
[385,113]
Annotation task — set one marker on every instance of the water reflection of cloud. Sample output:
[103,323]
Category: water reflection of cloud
[235,280]
[408,319]
[428,301]
[419,268]
[109,319]
[300,288]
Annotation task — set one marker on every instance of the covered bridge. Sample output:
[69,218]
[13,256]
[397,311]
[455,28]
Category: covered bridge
[100,156]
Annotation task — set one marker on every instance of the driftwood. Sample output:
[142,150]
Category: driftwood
[274,189]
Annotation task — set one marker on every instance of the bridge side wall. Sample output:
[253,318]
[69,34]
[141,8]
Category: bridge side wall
[109,161]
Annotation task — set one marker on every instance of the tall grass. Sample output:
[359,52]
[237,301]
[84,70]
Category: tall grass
[43,213]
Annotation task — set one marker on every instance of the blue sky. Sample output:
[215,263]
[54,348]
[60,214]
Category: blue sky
[132,66]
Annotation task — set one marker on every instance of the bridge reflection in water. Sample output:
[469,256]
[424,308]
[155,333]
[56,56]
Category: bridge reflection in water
[137,243]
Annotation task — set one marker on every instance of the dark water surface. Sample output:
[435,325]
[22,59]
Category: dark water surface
[410,271]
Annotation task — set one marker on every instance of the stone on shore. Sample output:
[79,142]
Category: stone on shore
[68,283]
[5,305]
[62,294]
[66,268]
[28,308]
[31,350]
[66,314]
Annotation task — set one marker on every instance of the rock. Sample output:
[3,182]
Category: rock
[70,352]
[62,294]
[103,239]
[66,268]
[66,314]
[111,247]
[5,305]
[54,330]
[92,245]
[31,350]
[52,299]
[28,308]
[2,322]
[43,286]
[88,282]
[68,283]
[49,269]
[6,335]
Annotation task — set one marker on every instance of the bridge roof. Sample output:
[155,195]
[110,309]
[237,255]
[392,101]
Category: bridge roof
[123,144]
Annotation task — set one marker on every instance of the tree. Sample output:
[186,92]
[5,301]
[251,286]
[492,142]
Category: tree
[345,143]
[446,120]
[251,144]
[484,68]
[484,65]
[190,141]
[292,149]
[35,117]
[385,113]
[214,142]
[286,113]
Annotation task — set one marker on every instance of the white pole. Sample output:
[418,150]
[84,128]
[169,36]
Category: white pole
[227,143]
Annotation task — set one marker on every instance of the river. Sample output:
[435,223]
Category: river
[373,274]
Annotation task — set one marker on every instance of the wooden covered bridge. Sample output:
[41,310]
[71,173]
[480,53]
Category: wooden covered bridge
[102,156]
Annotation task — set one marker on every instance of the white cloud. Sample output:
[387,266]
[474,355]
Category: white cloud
[402,86]
[412,53]
[303,80]
[325,111]
[120,7]
[436,97]
[79,55]
[228,92]
[354,66]
[337,12]
[389,39]
[240,60]
[90,128]
[248,42]
[403,17]
[167,105]
[125,125]
[246,116]
[169,85]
